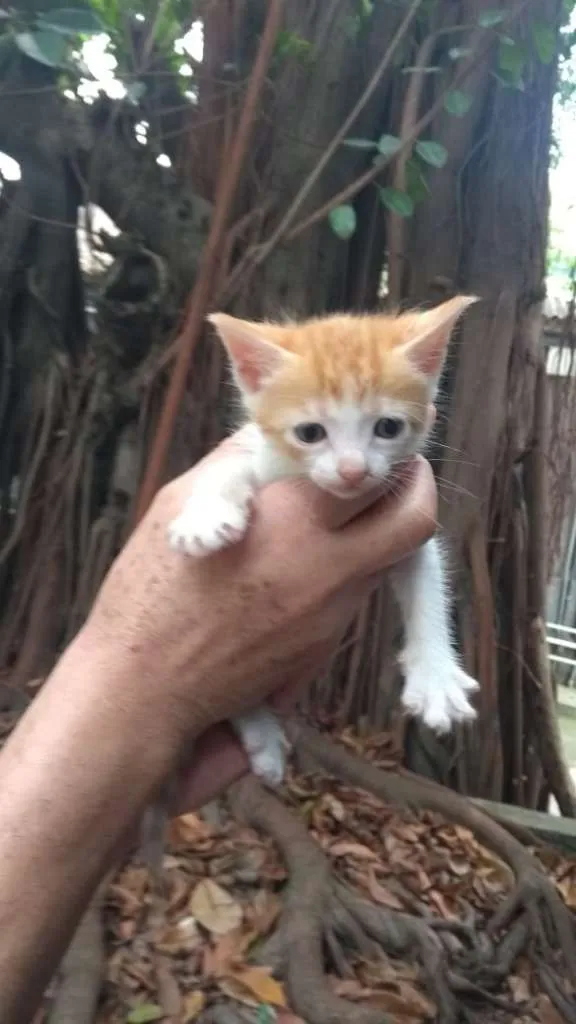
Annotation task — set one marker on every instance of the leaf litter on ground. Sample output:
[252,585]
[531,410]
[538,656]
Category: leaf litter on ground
[224,891]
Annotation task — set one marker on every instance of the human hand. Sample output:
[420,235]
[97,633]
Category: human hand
[203,640]
[150,613]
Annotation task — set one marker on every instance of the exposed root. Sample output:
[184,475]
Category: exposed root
[325,920]
[81,972]
[306,908]
[400,934]
[540,921]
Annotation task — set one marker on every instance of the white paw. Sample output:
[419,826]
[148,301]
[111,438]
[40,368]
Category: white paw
[436,691]
[208,525]
[266,744]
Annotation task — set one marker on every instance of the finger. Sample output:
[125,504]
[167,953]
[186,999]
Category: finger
[337,512]
[287,694]
[392,528]
[217,761]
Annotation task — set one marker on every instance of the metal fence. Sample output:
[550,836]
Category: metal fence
[562,644]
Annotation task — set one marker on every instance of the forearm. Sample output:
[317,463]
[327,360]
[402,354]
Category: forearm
[75,775]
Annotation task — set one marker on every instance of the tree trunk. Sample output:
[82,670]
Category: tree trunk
[81,418]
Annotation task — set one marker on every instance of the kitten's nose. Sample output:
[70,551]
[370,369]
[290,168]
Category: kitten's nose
[352,470]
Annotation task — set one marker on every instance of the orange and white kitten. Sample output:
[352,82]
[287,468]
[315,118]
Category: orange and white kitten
[341,400]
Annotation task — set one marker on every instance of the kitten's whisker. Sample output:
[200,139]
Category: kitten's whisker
[396,492]
[451,462]
[455,488]
[448,447]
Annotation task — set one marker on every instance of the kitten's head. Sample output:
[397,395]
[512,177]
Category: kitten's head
[342,398]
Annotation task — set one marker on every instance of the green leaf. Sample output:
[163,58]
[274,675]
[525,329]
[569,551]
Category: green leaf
[510,81]
[6,51]
[397,201]
[432,69]
[388,145]
[457,102]
[343,221]
[433,153]
[135,91]
[456,52]
[145,1013]
[45,46]
[416,184]
[487,19]
[266,1014]
[359,143]
[512,60]
[72,21]
[544,39]
[109,10]
[290,44]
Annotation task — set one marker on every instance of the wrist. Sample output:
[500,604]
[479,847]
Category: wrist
[77,772]
[131,693]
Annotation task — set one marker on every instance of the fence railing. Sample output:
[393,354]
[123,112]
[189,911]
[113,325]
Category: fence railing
[564,638]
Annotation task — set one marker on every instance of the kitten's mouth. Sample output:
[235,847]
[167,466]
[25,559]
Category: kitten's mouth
[348,492]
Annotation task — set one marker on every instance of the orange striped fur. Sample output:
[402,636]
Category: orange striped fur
[345,358]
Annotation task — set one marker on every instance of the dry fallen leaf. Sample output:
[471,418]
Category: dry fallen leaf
[459,867]
[214,907]
[441,904]
[567,889]
[403,999]
[260,983]
[194,1003]
[169,996]
[189,828]
[264,912]
[548,1013]
[235,990]
[353,850]
[380,894]
[349,988]
[181,937]
[229,948]
[464,834]
[334,806]
[406,1003]
[519,988]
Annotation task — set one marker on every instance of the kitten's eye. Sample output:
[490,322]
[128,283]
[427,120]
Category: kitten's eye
[388,427]
[310,433]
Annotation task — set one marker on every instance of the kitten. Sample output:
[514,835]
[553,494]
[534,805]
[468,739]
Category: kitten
[341,400]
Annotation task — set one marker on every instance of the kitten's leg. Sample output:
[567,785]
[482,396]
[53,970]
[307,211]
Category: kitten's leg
[265,742]
[436,687]
[217,512]
[215,516]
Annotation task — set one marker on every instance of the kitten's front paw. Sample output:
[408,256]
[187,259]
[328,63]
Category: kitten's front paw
[436,691]
[208,525]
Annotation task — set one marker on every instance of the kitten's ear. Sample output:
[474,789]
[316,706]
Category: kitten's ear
[254,359]
[426,348]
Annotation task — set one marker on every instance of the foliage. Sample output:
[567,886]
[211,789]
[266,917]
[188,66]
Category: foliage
[343,221]
[50,37]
